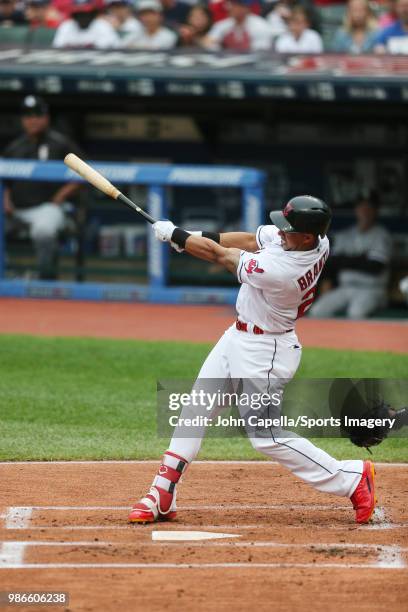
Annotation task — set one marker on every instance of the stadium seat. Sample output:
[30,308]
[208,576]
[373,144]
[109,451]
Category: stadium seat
[13,35]
[23,35]
[41,37]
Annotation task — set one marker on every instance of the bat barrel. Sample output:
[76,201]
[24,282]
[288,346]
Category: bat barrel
[100,182]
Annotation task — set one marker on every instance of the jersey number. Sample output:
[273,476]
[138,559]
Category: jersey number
[307,301]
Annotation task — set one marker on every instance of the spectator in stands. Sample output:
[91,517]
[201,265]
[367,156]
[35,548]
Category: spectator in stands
[394,38]
[86,28]
[154,35]
[300,38]
[198,23]
[40,205]
[389,16]
[219,8]
[120,15]
[360,259]
[10,14]
[359,30]
[241,31]
[278,17]
[175,12]
[278,14]
[63,7]
[41,14]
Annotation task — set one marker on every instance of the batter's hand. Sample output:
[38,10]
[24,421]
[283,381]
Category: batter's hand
[163,231]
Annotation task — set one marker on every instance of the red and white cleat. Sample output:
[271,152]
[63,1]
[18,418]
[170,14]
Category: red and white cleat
[160,503]
[363,498]
[150,508]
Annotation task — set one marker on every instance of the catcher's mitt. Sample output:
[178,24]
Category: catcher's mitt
[360,400]
[364,436]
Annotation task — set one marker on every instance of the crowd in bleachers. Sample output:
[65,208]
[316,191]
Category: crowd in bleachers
[285,26]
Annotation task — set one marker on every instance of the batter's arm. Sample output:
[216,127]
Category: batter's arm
[204,248]
[239,240]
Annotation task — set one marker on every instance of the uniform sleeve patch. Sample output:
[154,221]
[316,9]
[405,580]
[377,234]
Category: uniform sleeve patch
[252,266]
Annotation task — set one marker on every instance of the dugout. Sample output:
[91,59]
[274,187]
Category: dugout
[330,125]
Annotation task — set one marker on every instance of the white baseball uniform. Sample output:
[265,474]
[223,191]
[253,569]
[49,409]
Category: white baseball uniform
[360,294]
[278,286]
[100,34]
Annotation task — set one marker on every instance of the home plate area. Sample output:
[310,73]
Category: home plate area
[248,526]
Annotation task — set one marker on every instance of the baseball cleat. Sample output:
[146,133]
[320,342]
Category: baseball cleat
[363,498]
[149,509]
[160,503]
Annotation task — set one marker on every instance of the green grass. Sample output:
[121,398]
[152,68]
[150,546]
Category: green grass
[72,398]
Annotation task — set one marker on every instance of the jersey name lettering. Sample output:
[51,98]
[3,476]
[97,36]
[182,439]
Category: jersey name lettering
[313,273]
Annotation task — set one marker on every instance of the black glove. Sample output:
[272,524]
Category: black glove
[364,436]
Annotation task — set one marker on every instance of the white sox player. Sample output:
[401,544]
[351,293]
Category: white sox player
[361,255]
[278,268]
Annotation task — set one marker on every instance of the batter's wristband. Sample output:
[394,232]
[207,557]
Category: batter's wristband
[212,236]
[179,237]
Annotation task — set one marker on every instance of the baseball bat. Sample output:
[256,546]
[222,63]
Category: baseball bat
[100,182]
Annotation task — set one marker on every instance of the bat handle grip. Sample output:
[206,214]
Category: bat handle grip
[136,208]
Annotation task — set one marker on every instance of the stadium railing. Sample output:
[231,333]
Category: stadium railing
[156,177]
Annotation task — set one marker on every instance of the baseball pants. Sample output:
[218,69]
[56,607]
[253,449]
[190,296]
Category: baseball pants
[45,222]
[266,362]
[358,303]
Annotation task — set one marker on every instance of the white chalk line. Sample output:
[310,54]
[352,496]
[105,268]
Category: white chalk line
[388,556]
[383,548]
[133,527]
[380,520]
[12,554]
[156,462]
[343,528]
[342,566]
[65,543]
[391,556]
[18,517]
[207,507]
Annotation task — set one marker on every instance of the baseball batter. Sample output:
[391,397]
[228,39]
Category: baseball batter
[278,268]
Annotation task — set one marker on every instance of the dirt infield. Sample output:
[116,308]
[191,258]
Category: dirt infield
[178,322]
[63,528]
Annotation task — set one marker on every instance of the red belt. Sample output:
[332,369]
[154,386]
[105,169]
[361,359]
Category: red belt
[241,326]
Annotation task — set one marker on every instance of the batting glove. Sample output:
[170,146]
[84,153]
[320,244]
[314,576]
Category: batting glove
[163,231]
